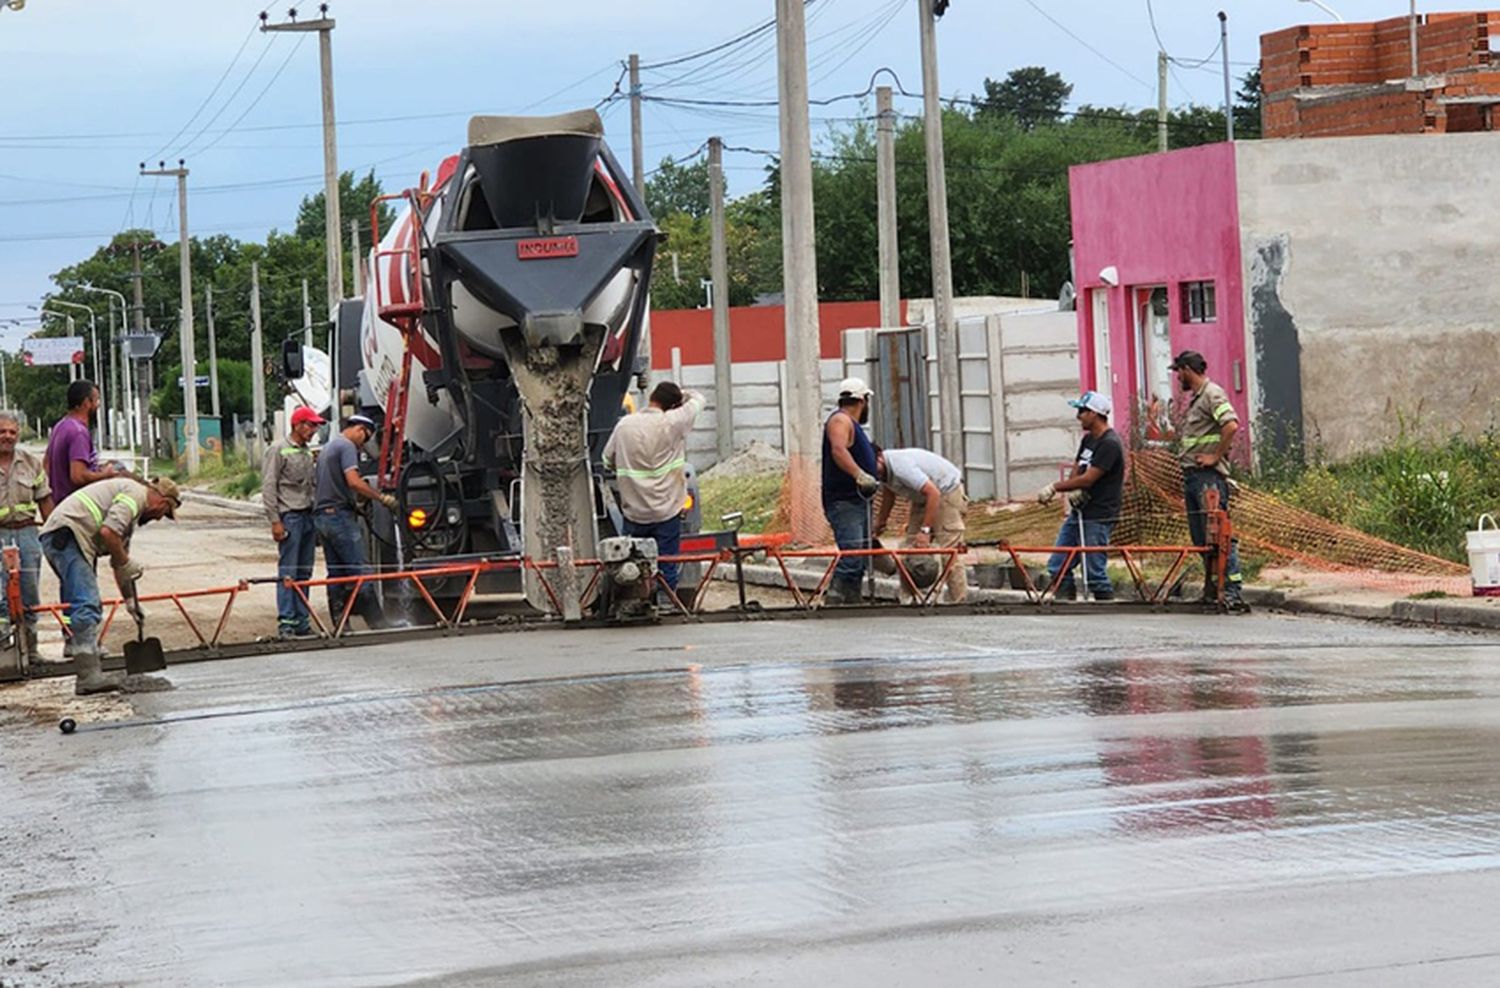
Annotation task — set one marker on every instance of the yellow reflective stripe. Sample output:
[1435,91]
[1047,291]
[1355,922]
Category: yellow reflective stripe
[93,507]
[4,512]
[1209,440]
[294,450]
[135,508]
[23,506]
[1221,410]
[661,471]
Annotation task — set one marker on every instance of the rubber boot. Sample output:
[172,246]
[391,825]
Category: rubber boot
[87,660]
[29,643]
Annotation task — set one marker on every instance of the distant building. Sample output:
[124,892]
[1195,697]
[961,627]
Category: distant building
[1342,80]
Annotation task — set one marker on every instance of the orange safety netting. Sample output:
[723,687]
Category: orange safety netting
[1288,542]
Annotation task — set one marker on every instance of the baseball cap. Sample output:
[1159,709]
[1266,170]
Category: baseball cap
[1191,359]
[304,415]
[363,420]
[167,488]
[1094,402]
[853,387]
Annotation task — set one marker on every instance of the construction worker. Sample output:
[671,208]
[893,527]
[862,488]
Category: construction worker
[100,519]
[288,482]
[25,502]
[1095,494]
[648,453]
[848,484]
[934,490]
[336,498]
[71,460]
[1208,430]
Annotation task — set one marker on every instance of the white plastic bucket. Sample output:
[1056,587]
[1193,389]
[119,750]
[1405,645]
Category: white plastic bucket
[1484,558]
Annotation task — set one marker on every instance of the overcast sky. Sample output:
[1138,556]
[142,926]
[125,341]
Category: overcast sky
[93,87]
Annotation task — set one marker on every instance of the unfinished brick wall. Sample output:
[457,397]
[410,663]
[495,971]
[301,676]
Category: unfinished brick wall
[1323,80]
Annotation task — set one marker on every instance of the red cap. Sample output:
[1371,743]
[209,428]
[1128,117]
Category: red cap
[304,415]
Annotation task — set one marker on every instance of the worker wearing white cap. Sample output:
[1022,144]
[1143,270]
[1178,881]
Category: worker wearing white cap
[848,484]
[1095,492]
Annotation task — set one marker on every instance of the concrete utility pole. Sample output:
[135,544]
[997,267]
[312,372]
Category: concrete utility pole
[1163,63]
[101,429]
[213,351]
[799,259]
[119,379]
[1416,65]
[949,406]
[637,151]
[719,268]
[885,181]
[142,395]
[307,339]
[332,225]
[1228,88]
[257,361]
[357,261]
[185,266]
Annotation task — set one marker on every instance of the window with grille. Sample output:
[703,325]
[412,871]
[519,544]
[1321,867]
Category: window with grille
[1198,302]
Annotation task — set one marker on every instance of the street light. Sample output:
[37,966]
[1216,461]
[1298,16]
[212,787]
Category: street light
[100,429]
[122,394]
[1326,9]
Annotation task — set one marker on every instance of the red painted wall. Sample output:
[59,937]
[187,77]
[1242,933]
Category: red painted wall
[1160,219]
[756,333]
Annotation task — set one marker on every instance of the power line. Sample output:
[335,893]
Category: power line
[1103,57]
[207,99]
[265,50]
[260,96]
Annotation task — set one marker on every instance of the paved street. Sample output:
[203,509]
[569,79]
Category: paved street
[1135,800]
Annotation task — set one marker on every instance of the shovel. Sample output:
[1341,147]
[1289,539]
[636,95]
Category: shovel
[144,654]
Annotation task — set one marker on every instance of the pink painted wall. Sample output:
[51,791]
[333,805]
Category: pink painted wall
[1161,219]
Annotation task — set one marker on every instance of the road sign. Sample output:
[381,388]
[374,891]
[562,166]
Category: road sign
[48,351]
[201,381]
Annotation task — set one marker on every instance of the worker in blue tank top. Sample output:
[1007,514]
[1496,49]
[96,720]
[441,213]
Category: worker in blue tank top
[848,484]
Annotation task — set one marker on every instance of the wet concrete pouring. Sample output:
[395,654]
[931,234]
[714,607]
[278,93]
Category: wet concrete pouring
[1152,800]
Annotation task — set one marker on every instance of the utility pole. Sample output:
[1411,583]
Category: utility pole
[1228,91]
[885,180]
[719,265]
[332,225]
[1416,65]
[213,351]
[799,262]
[142,395]
[101,429]
[307,340]
[949,406]
[637,151]
[1163,63]
[185,266]
[357,264]
[257,362]
[119,377]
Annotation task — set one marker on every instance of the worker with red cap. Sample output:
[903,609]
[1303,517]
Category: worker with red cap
[288,477]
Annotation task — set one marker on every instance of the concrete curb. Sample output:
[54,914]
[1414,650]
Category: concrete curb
[247,508]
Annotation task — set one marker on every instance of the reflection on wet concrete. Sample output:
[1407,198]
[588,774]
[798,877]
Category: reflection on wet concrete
[504,827]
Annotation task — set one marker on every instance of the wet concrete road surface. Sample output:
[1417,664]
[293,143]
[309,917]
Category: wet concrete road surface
[1145,800]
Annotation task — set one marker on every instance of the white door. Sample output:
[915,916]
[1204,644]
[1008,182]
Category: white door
[1103,382]
[1153,352]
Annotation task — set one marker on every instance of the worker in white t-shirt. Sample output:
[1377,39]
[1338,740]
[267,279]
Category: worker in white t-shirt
[934,488]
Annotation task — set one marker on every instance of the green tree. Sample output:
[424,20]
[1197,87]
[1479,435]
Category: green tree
[355,198]
[678,189]
[1247,105]
[1029,95]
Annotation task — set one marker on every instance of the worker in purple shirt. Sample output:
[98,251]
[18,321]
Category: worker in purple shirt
[71,461]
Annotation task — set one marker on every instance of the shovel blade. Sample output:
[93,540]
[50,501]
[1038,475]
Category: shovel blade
[145,655]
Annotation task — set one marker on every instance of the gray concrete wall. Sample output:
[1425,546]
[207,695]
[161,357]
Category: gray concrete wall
[757,405]
[1382,291]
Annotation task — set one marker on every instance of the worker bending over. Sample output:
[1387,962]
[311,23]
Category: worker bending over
[648,453]
[288,484]
[1208,431]
[100,519]
[934,490]
[336,499]
[1095,494]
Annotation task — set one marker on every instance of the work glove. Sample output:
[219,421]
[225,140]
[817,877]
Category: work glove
[389,500]
[1077,499]
[867,484]
[128,572]
[1046,494]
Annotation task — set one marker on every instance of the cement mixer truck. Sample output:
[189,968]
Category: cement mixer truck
[496,341]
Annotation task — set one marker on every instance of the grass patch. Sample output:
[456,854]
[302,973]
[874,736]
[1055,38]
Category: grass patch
[230,475]
[756,495]
[1429,595]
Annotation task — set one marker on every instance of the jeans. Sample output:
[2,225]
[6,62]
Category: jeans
[24,539]
[668,536]
[294,561]
[80,587]
[850,521]
[1095,564]
[344,551]
[1195,484]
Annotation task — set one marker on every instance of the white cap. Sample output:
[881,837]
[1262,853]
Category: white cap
[1094,402]
[854,387]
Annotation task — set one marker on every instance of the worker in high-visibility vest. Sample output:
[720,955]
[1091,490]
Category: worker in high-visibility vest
[25,502]
[99,520]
